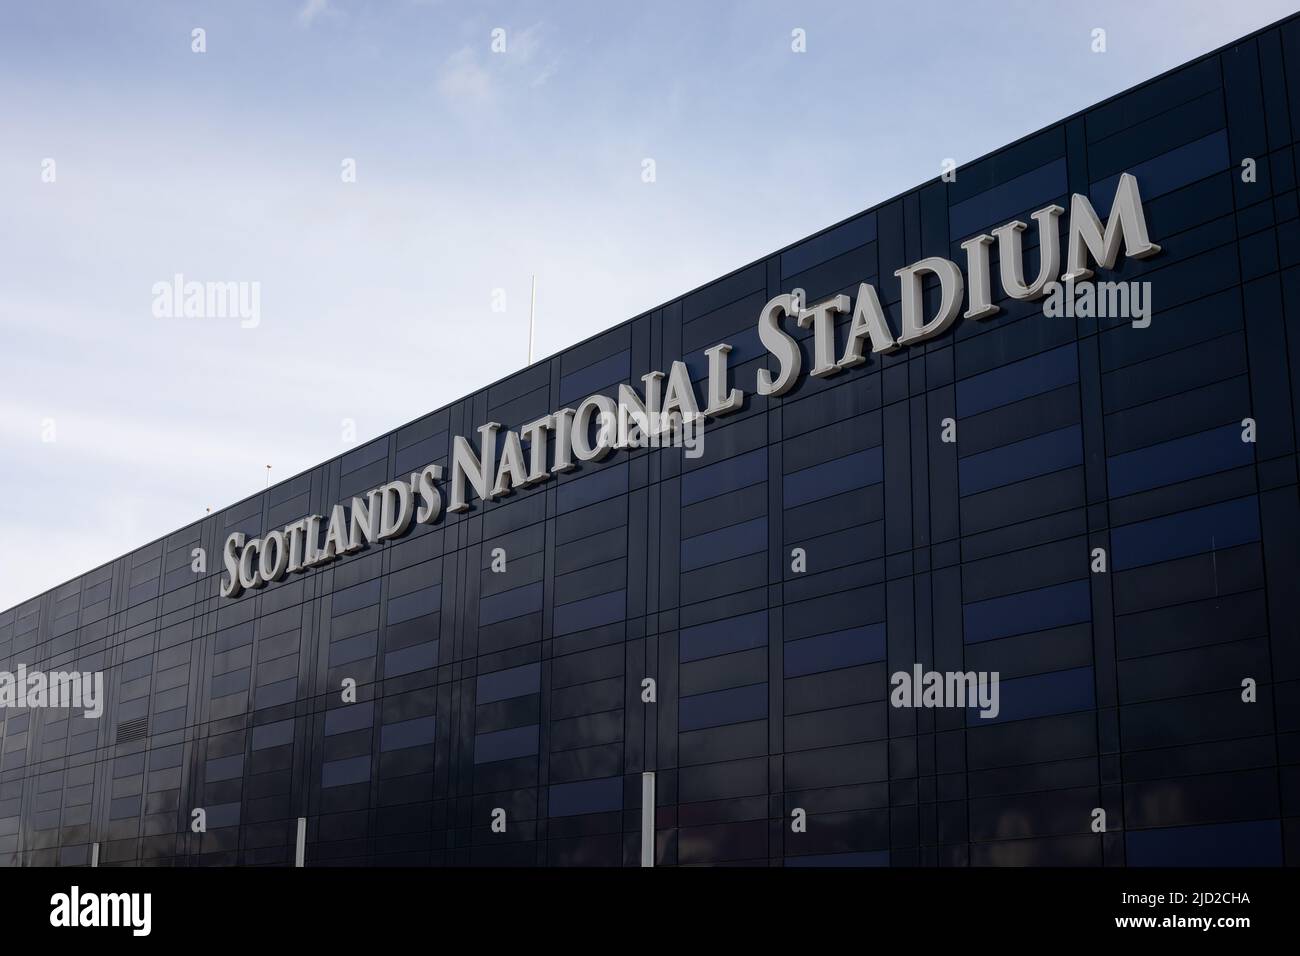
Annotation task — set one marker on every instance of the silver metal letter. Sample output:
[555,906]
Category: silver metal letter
[1126,225]
[721,402]
[868,323]
[779,344]
[822,318]
[230,557]
[606,433]
[466,465]
[977,273]
[952,286]
[1011,255]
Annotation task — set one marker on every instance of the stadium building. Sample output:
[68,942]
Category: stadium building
[963,532]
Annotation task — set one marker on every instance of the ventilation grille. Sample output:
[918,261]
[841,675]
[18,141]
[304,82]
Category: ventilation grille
[136,729]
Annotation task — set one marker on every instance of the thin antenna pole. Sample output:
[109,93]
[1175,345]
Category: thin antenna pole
[532,305]
[268,476]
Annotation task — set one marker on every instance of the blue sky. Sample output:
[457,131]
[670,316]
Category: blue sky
[474,169]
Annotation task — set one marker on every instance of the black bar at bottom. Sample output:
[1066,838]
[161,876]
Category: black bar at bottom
[252,907]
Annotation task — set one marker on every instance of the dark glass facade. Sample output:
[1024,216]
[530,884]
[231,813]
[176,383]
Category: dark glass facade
[1121,689]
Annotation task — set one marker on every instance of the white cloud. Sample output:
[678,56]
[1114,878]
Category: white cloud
[474,76]
[523,44]
[311,10]
[547,72]
[464,81]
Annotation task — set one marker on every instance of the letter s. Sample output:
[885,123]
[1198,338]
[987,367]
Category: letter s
[230,557]
[779,344]
[430,499]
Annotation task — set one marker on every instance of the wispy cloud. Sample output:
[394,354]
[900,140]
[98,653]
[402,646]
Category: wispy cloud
[547,72]
[479,75]
[524,44]
[311,10]
[464,81]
